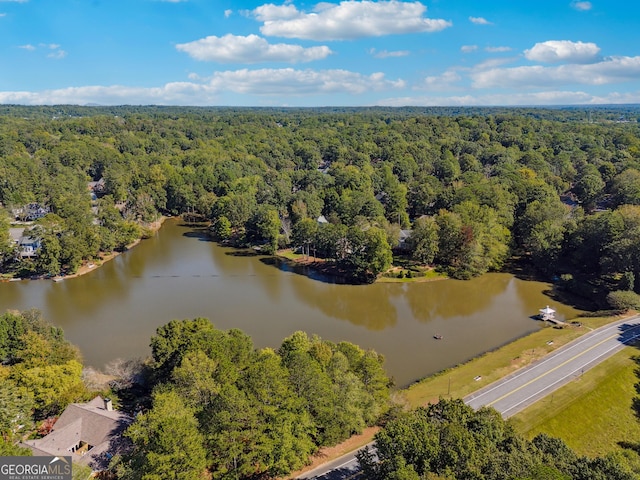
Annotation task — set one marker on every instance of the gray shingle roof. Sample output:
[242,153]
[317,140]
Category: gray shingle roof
[90,423]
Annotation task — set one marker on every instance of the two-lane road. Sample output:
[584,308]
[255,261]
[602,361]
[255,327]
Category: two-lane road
[517,391]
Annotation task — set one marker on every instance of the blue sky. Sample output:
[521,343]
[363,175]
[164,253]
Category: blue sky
[333,53]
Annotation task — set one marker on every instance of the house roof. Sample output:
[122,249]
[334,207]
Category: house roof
[16,234]
[90,423]
[404,234]
[547,311]
[26,240]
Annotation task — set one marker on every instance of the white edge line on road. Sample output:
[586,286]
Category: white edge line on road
[553,354]
[618,346]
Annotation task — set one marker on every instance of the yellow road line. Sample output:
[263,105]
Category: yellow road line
[552,370]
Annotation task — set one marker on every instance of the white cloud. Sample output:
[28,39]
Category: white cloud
[288,81]
[266,83]
[271,12]
[441,82]
[497,49]
[387,54]
[554,51]
[523,99]
[611,70]
[54,49]
[57,54]
[250,49]
[3,15]
[170,94]
[468,48]
[347,20]
[480,21]
[228,13]
[492,63]
[581,6]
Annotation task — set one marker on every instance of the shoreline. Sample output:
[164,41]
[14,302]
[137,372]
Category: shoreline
[91,266]
[324,267]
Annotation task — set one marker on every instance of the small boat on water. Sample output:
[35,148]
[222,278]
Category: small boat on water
[438,337]
[58,279]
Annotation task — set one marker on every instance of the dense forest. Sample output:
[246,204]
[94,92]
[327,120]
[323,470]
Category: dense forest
[475,188]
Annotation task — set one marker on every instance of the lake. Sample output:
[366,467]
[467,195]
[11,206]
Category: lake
[114,310]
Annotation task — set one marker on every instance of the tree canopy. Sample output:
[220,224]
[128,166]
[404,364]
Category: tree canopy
[495,183]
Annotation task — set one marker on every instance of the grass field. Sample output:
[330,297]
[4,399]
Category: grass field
[593,414]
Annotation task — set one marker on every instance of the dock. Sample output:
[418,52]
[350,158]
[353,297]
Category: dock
[548,314]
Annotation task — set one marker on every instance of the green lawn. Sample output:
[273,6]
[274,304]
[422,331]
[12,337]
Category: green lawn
[460,381]
[592,414]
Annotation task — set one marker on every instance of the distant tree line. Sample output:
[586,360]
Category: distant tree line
[476,187]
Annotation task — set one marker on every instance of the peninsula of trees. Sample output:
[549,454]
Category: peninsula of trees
[462,190]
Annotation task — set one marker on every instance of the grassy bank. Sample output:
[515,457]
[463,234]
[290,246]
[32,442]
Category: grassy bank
[604,395]
[464,379]
[396,274]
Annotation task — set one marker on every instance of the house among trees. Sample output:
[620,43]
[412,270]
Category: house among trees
[31,212]
[28,246]
[403,238]
[97,187]
[91,433]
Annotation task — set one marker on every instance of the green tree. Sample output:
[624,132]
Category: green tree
[369,253]
[7,247]
[222,228]
[175,339]
[8,449]
[53,386]
[15,408]
[304,233]
[423,242]
[626,187]
[589,187]
[264,226]
[48,255]
[167,443]
[623,300]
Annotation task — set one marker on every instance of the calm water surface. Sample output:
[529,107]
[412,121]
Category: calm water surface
[113,311]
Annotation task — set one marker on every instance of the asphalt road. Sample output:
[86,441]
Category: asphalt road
[517,391]
[343,468]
